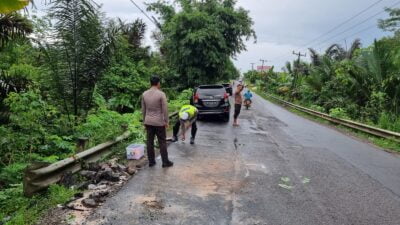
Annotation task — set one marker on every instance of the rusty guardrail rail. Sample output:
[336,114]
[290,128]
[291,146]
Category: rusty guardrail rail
[41,175]
[348,123]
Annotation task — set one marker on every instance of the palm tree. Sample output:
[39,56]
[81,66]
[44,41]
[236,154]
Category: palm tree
[338,53]
[135,33]
[315,57]
[13,26]
[80,52]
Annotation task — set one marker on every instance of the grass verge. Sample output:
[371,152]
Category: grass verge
[15,209]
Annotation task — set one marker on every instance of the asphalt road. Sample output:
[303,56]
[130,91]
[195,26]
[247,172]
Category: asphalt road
[276,168]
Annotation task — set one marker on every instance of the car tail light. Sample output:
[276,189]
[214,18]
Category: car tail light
[226,97]
[196,98]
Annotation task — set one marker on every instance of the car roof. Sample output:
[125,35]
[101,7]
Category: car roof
[213,86]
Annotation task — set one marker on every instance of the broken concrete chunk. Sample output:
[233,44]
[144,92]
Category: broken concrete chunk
[131,171]
[122,168]
[98,196]
[90,203]
[93,167]
[88,174]
[103,186]
[92,187]
[78,195]
[110,176]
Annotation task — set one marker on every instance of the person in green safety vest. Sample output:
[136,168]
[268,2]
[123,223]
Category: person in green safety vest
[187,117]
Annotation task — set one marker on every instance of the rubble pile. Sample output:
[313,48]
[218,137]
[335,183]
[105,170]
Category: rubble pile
[100,179]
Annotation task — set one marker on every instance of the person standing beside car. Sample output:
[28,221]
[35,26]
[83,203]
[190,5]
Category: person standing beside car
[156,119]
[238,103]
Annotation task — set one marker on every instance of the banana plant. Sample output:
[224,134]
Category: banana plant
[9,6]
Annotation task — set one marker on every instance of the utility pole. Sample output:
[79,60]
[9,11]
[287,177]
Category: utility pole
[252,66]
[263,61]
[296,75]
[262,65]
[299,55]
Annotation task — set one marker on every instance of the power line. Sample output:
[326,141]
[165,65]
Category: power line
[343,23]
[338,26]
[152,19]
[361,31]
[354,26]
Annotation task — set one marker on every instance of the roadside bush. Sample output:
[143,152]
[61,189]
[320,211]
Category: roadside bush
[339,113]
[389,122]
[12,174]
[103,125]
[375,106]
[35,127]
[317,108]
[182,99]
[26,211]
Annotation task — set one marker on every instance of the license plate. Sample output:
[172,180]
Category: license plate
[211,104]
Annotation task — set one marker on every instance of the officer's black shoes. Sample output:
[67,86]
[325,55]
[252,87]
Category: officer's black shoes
[152,164]
[174,139]
[192,140]
[168,164]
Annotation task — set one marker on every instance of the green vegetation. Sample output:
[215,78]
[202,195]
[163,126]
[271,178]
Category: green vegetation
[200,39]
[20,210]
[75,73]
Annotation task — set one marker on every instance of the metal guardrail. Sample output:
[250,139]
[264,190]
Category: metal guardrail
[348,123]
[39,176]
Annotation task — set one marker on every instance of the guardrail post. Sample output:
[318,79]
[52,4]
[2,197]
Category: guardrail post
[81,144]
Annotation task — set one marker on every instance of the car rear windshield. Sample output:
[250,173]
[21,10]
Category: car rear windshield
[211,91]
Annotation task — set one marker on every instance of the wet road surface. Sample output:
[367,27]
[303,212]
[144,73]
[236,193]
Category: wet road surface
[276,168]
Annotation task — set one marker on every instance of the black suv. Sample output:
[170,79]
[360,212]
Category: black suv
[212,100]
[228,88]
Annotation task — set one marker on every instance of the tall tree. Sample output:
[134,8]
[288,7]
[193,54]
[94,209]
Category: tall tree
[391,24]
[201,38]
[134,33]
[78,53]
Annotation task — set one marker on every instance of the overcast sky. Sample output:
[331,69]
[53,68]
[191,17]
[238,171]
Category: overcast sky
[285,25]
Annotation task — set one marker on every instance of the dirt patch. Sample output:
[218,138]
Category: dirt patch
[156,205]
